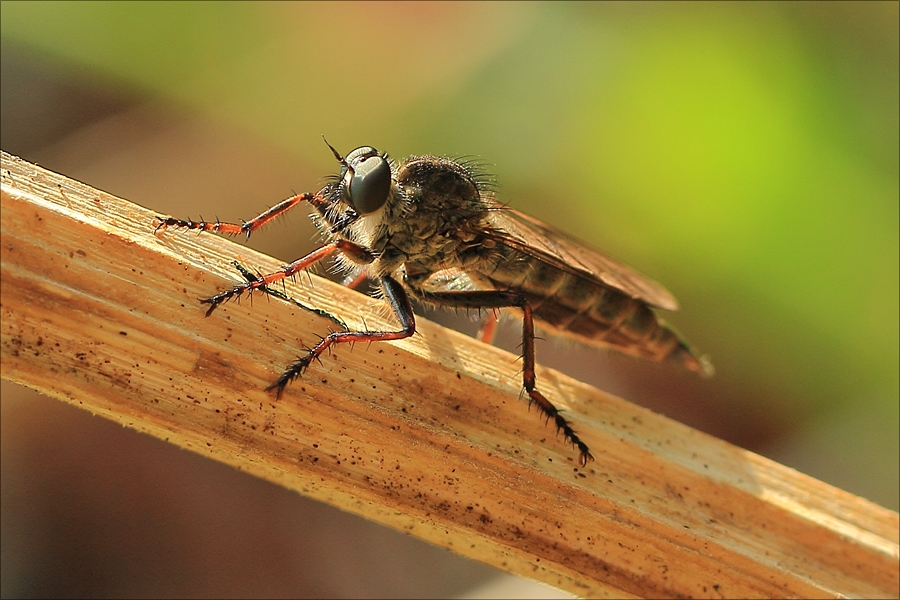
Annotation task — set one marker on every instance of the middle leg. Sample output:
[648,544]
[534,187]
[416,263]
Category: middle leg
[354,251]
[399,301]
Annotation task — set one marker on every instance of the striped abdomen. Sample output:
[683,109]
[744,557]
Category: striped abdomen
[586,309]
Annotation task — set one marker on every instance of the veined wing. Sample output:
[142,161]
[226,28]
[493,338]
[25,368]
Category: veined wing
[565,252]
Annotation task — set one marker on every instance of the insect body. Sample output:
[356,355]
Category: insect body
[429,228]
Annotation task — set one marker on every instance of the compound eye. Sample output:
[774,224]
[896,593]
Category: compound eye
[361,153]
[370,181]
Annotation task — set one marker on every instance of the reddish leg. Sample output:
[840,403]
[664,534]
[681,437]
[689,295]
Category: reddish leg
[245,228]
[356,252]
[317,200]
[501,299]
[399,301]
[354,281]
[488,329]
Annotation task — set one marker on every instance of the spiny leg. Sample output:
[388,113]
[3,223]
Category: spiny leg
[247,227]
[399,301]
[543,404]
[502,299]
[251,276]
[322,201]
[257,282]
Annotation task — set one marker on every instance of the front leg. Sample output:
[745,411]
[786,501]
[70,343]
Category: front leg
[245,228]
[321,201]
[503,299]
[399,301]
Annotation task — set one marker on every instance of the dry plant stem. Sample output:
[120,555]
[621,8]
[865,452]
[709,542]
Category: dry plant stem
[427,435]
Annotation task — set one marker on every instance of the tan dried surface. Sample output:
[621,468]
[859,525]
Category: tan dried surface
[427,435]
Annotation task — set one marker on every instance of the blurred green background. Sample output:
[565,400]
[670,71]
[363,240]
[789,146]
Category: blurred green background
[743,154]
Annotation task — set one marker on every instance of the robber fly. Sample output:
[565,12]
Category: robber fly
[428,227]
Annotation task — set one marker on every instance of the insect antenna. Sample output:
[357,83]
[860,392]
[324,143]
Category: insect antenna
[337,154]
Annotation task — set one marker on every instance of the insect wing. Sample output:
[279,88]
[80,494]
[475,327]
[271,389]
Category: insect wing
[569,254]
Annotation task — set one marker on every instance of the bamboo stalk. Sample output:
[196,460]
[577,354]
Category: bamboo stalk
[426,435]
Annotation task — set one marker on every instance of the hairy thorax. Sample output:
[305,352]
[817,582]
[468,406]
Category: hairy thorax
[432,222]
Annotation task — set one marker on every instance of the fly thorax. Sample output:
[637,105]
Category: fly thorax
[444,211]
